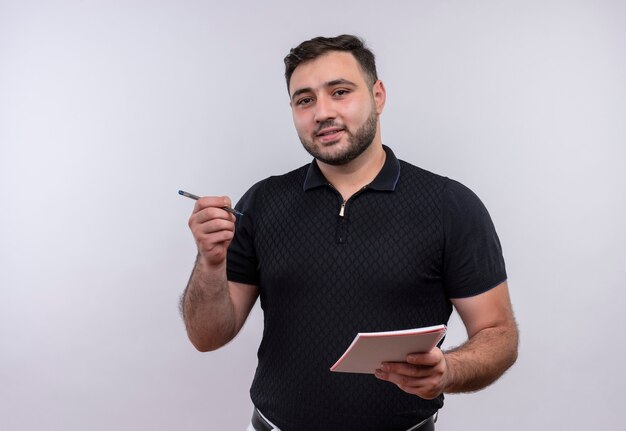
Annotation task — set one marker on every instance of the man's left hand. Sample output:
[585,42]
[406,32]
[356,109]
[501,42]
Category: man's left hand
[423,374]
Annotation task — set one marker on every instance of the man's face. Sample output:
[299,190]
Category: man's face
[335,110]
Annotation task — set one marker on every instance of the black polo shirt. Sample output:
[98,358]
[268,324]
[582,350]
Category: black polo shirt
[389,258]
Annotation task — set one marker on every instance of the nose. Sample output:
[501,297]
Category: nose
[324,109]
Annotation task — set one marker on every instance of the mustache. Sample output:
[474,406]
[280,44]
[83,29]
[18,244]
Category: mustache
[326,124]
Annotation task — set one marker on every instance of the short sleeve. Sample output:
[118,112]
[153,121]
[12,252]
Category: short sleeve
[473,261]
[242,263]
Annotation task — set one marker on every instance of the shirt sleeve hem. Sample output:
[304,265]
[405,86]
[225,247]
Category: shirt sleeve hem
[487,286]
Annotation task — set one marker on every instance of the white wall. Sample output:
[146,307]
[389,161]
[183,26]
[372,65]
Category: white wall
[108,108]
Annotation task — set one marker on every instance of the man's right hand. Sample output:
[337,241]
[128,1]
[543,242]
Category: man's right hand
[208,292]
[213,228]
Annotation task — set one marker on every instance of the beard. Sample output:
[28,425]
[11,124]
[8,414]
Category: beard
[358,142]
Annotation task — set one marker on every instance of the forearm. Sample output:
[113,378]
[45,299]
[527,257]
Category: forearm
[207,307]
[482,359]
[489,352]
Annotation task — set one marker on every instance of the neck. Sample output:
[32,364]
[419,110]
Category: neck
[353,176]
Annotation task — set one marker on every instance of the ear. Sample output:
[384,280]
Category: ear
[380,96]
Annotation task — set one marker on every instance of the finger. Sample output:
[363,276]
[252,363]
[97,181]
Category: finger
[424,387]
[206,231]
[215,240]
[403,381]
[429,359]
[209,214]
[212,201]
[408,370]
[212,220]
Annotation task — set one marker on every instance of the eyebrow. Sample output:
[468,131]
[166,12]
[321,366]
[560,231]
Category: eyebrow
[334,82]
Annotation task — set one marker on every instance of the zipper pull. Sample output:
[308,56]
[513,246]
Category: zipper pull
[342,208]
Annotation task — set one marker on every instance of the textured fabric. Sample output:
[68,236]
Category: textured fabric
[403,247]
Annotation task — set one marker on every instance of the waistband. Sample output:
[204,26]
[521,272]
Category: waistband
[261,423]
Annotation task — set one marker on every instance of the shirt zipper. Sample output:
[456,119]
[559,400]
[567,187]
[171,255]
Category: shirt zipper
[342,208]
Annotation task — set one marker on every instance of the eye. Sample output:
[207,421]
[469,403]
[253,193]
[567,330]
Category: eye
[304,101]
[341,92]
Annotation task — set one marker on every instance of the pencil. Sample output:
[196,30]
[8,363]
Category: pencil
[195,198]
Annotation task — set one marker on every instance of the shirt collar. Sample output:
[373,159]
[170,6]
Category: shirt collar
[386,180]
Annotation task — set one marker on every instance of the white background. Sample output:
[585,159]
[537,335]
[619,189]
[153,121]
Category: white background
[108,108]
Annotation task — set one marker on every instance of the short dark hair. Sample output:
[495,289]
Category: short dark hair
[318,46]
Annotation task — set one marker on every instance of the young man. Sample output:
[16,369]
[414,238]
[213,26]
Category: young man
[357,241]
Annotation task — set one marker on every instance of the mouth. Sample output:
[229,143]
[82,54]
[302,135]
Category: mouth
[329,134]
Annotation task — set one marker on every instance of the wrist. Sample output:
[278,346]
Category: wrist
[449,375]
[209,265]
